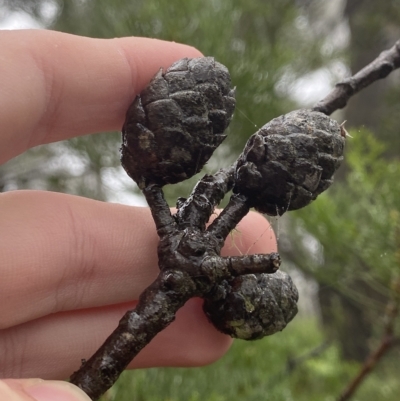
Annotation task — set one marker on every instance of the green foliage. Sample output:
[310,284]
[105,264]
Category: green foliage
[355,221]
[269,369]
[346,241]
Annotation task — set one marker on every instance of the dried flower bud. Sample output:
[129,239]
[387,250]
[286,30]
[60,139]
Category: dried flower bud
[173,127]
[289,161]
[253,306]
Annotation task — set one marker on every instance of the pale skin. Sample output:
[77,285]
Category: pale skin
[70,266]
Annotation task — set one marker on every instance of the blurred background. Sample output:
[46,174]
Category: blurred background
[342,251]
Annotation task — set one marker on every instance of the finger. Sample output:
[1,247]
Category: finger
[254,234]
[52,347]
[62,252]
[40,390]
[56,86]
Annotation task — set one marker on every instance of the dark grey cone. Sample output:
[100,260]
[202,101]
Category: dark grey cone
[289,161]
[173,127]
[253,306]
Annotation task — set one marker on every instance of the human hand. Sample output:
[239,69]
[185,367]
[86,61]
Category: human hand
[71,266]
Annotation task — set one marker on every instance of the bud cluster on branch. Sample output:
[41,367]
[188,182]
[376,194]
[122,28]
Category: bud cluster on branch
[171,130]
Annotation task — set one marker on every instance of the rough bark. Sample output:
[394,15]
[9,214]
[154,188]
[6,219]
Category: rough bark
[380,68]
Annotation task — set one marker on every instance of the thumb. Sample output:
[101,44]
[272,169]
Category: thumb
[40,390]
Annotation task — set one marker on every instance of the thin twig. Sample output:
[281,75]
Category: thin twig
[155,310]
[206,195]
[190,266]
[380,68]
[227,220]
[388,341]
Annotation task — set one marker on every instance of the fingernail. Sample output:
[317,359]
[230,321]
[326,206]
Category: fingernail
[55,391]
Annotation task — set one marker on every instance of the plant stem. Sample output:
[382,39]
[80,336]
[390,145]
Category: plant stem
[234,211]
[206,195]
[380,68]
[160,211]
[388,341]
[155,310]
